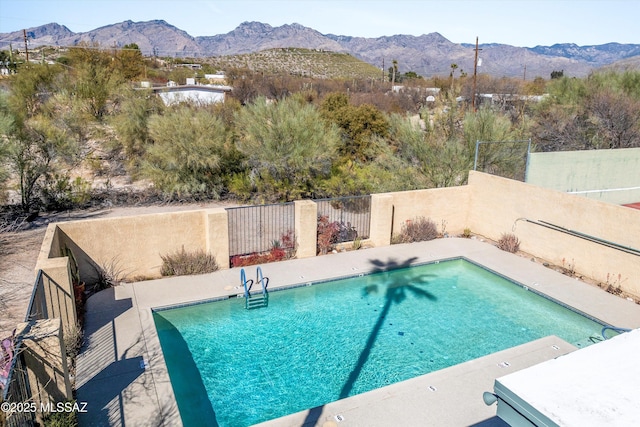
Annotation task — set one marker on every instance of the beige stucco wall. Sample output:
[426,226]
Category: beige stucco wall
[306,218]
[439,204]
[217,236]
[497,203]
[488,206]
[381,219]
[135,244]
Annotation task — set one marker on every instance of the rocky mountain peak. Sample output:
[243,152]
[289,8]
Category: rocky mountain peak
[428,54]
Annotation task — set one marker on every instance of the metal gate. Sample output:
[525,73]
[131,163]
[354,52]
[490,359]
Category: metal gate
[352,213]
[260,228]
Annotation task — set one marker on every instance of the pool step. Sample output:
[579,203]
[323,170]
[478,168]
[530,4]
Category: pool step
[257,301]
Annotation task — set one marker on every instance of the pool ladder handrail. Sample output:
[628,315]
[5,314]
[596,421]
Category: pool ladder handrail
[257,301]
[615,329]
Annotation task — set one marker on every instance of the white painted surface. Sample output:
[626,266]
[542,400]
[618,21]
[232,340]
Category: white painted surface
[595,386]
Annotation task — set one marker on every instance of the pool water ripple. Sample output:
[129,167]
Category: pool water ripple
[316,344]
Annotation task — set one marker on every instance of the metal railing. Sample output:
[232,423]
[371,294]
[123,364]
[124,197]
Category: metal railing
[18,392]
[352,213]
[37,309]
[257,229]
[48,300]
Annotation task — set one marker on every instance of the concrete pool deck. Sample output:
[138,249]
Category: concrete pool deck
[122,376]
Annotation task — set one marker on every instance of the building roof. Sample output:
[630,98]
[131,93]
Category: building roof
[200,88]
[594,386]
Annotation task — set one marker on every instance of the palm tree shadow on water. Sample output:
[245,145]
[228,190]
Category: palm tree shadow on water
[398,288]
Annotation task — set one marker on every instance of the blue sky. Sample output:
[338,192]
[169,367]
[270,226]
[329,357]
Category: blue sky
[524,23]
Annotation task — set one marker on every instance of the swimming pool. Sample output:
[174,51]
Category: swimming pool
[321,343]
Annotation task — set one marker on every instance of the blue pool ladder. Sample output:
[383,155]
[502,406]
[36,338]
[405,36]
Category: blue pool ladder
[259,299]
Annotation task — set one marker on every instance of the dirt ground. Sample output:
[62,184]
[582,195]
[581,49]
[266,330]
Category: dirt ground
[20,250]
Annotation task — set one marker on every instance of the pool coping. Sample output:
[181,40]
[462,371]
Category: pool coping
[123,377]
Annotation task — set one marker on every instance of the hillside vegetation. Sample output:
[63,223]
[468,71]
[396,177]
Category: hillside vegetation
[72,133]
[299,62]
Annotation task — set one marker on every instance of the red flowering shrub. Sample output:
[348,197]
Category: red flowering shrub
[282,249]
[327,234]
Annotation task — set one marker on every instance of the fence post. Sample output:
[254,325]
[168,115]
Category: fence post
[306,228]
[381,219]
[45,360]
[217,236]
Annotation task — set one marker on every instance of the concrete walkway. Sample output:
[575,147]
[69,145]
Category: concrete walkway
[123,378]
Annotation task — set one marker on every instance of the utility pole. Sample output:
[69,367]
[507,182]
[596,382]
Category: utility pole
[26,48]
[475,73]
[382,70]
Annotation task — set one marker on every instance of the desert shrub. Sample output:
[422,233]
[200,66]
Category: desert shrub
[466,233]
[417,230]
[62,418]
[60,192]
[183,263]
[509,242]
[109,274]
[189,154]
[357,244]
[289,149]
[73,341]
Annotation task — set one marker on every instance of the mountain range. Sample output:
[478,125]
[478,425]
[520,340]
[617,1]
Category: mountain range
[428,55]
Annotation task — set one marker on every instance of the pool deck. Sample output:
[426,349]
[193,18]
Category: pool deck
[122,376]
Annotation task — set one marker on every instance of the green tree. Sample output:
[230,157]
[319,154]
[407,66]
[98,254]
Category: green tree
[600,111]
[34,139]
[129,62]
[394,77]
[436,160]
[502,154]
[95,77]
[132,124]
[452,76]
[31,153]
[30,89]
[411,75]
[5,129]
[359,124]
[289,148]
[187,156]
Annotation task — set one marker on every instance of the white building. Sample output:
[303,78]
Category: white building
[195,94]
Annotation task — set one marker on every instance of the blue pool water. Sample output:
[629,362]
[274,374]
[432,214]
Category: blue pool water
[315,344]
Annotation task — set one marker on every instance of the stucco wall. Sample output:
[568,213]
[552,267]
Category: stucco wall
[449,204]
[498,205]
[488,205]
[133,245]
[607,175]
